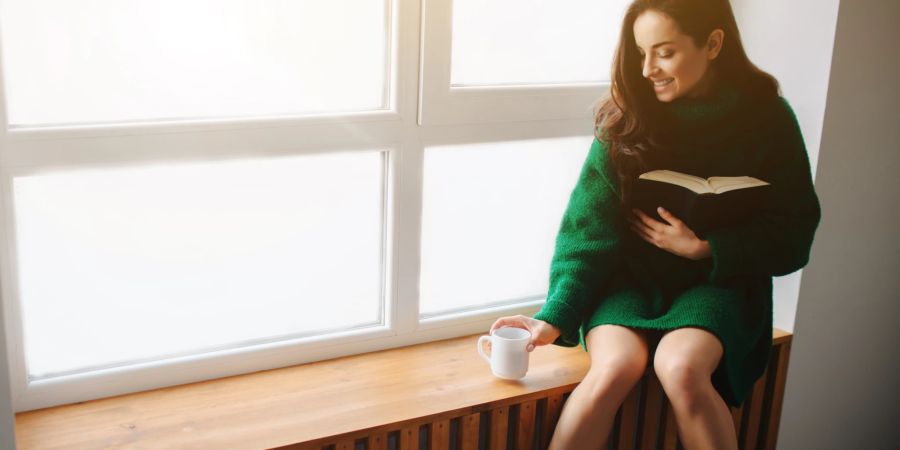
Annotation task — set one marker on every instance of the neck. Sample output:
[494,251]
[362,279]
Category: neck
[706,89]
[720,100]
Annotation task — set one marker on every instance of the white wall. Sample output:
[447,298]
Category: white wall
[792,40]
[842,389]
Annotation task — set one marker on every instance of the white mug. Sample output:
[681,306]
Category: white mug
[508,359]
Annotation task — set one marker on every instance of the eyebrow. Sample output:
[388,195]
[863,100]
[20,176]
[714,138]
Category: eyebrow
[659,44]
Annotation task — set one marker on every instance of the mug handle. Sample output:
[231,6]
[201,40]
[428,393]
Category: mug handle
[481,348]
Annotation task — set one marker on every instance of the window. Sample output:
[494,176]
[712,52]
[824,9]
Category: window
[514,42]
[206,188]
[121,61]
[151,262]
[489,226]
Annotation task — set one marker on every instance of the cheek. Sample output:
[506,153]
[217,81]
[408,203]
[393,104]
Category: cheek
[688,74]
[673,67]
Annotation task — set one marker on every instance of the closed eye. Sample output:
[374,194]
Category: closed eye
[660,55]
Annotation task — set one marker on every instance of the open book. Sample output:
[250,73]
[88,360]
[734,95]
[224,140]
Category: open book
[703,204]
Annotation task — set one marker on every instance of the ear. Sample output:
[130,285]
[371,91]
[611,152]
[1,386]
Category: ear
[714,43]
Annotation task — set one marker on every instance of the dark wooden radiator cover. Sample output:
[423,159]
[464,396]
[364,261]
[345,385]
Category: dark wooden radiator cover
[644,422]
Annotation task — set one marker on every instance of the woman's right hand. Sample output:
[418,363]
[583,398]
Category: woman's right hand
[542,333]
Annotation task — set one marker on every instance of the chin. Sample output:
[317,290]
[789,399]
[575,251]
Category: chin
[666,97]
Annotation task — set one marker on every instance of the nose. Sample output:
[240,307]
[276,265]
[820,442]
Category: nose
[648,67]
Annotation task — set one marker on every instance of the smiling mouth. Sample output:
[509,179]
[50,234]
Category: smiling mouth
[663,82]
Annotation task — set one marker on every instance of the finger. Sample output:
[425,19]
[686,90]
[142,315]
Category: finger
[529,348]
[644,230]
[499,323]
[640,224]
[643,235]
[638,214]
[632,218]
[669,217]
[650,222]
[508,322]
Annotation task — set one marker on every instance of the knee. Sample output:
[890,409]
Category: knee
[684,383]
[616,374]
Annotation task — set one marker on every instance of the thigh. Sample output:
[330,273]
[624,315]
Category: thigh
[694,347]
[615,343]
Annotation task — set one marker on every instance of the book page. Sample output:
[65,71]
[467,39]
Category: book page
[725,184]
[696,184]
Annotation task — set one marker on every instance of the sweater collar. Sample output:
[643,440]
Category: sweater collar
[688,111]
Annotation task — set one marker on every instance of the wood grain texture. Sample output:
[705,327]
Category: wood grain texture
[307,447]
[628,424]
[751,433]
[469,427]
[499,428]
[378,441]
[670,436]
[365,396]
[781,364]
[525,429]
[408,439]
[440,435]
[780,336]
[652,402]
[286,406]
[550,418]
[737,415]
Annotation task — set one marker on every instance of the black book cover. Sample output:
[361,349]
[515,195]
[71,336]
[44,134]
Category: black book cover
[700,212]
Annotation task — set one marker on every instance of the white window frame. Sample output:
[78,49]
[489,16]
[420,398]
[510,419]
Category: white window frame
[444,104]
[452,117]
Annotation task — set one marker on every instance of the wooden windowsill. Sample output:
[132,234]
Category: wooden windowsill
[297,404]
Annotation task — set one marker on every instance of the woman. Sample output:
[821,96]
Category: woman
[634,291]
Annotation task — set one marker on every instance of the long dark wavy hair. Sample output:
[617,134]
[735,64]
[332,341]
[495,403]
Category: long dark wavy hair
[629,118]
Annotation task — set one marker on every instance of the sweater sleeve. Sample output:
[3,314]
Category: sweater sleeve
[586,245]
[778,241]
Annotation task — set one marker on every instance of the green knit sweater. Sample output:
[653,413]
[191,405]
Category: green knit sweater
[603,273]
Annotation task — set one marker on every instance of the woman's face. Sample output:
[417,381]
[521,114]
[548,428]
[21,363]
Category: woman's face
[670,61]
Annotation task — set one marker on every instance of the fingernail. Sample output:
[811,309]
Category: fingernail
[660,209]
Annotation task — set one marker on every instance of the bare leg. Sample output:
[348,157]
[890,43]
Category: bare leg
[684,362]
[618,359]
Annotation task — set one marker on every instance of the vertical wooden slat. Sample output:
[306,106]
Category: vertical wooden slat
[774,413]
[525,432]
[670,436]
[629,419]
[652,404]
[754,413]
[499,425]
[761,426]
[307,446]
[736,415]
[550,419]
[408,439]
[469,427]
[378,441]
[440,435]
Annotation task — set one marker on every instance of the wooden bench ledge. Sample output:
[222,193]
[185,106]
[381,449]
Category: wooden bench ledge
[303,403]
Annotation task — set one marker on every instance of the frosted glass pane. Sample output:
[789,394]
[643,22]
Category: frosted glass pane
[71,61]
[490,217]
[534,41]
[127,264]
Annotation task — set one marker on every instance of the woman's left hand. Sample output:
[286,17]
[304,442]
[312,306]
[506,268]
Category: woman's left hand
[674,237]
